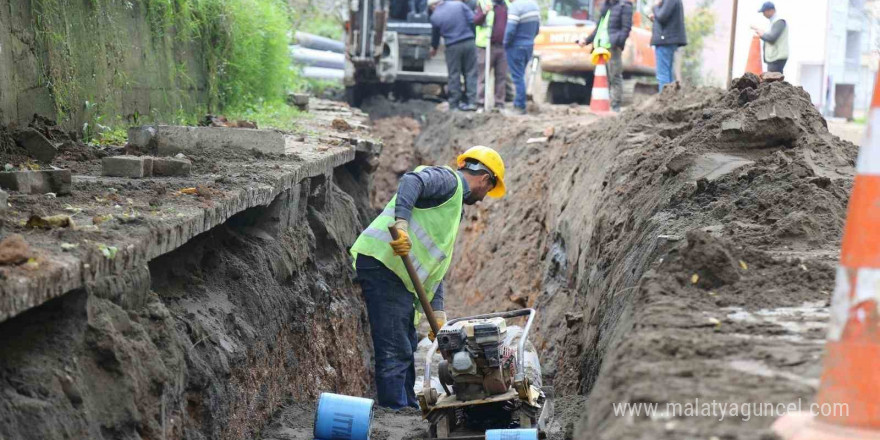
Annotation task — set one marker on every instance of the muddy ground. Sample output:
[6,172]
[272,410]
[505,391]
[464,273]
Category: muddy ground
[682,252]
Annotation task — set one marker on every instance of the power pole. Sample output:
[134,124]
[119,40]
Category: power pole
[732,43]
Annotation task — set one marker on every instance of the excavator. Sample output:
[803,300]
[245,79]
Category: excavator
[562,72]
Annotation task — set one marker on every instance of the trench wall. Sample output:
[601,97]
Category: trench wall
[636,247]
[207,338]
[110,58]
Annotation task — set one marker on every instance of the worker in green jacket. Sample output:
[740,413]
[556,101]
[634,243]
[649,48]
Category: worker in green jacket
[490,18]
[611,33]
[426,211]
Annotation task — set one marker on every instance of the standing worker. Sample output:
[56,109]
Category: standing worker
[523,24]
[775,40]
[667,36]
[611,33]
[426,211]
[454,21]
[491,21]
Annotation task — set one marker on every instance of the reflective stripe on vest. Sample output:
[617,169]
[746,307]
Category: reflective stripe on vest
[602,39]
[432,232]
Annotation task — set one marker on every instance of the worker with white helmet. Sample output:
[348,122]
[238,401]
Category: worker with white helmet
[426,211]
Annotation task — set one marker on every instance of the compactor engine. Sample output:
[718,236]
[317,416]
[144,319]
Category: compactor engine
[477,363]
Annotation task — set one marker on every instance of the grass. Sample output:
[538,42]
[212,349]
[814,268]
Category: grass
[116,135]
[271,114]
[311,18]
[324,25]
[257,63]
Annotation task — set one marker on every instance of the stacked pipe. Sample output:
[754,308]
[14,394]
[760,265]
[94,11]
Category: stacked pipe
[320,57]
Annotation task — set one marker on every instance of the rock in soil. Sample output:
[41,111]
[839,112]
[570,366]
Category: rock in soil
[36,145]
[14,250]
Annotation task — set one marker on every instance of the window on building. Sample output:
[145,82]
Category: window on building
[853,49]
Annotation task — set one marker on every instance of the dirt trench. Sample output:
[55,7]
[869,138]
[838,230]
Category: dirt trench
[206,341]
[682,252]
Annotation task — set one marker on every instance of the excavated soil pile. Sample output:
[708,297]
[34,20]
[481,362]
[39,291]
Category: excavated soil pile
[680,253]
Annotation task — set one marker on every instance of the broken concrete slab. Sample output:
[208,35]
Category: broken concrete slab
[4,200]
[70,271]
[299,100]
[772,77]
[712,166]
[36,144]
[732,125]
[168,140]
[37,182]
[134,167]
[171,166]
[772,111]
[142,137]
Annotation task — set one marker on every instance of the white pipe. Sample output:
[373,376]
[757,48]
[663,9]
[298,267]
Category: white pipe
[317,58]
[322,73]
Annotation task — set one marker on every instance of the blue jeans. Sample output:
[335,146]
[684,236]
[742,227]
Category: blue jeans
[391,312]
[518,58]
[665,64]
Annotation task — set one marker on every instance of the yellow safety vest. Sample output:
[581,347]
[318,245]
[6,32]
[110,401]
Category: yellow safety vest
[432,232]
[484,31]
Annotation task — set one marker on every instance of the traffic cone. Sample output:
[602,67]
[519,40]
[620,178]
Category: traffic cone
[848,403]
[754,63]
[600,99]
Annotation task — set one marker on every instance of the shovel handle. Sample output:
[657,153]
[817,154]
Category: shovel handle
[417,283]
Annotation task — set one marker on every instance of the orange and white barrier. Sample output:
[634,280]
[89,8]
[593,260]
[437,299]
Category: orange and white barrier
[753,64]
[851,375]
[600,98]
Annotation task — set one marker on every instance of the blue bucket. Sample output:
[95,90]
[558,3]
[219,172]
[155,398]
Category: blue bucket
[343,417]
[512,434]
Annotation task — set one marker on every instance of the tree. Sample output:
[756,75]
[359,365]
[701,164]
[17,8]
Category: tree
[699,25]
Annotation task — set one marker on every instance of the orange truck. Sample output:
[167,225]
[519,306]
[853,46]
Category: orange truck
[563,73]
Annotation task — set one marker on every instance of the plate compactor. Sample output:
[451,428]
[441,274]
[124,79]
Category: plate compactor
[491,380]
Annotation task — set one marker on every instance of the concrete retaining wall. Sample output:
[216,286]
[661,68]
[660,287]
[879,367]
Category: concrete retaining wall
[112,57]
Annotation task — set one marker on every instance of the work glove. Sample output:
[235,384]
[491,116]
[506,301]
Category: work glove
[441,321]
[403,244]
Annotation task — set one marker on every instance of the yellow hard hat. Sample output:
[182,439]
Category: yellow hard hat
[492,160]
[600,53]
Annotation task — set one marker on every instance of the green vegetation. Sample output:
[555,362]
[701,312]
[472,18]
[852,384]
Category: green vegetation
[272,114]
[316,19]
[219,56]
[699,25]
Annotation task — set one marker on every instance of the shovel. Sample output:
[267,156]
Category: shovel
[417,283]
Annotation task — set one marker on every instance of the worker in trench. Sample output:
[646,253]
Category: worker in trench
[426,211]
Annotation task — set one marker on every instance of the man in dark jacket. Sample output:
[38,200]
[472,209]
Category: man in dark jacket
[615,23]
[454,21]
[668,35]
